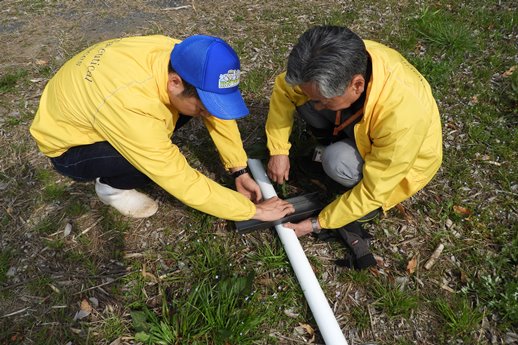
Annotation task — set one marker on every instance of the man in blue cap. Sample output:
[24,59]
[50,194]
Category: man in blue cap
[109,114]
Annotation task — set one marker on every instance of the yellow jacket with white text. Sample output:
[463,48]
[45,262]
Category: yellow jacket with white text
[399,136]
[116,91]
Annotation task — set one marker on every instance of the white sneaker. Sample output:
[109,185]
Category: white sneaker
[129,202]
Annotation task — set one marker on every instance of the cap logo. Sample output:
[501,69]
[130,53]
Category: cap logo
[229,79]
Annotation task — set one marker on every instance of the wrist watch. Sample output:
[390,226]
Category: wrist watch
[314,226]
[238,173]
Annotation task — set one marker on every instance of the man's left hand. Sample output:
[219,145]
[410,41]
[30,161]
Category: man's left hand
[301,228]
[247,186]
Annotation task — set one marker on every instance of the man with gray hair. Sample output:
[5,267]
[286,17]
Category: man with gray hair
[376,119]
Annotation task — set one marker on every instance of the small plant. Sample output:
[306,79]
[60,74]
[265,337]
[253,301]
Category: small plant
[393,300]
[212,312]
[440,30]
[360,317]
[9,80]
[112,327]
[460,318]
[5,257]
[255,80]
[270,255]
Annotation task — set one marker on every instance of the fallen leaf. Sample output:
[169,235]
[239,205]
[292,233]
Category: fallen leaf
[68,229]
[55,289]
[449,223]
[308,328]
[146,274]
[41,62]
[461,210]
[81,315]
[411,266]
[463,277]
[85,305]
[509,71]
[291,313]
[408,217]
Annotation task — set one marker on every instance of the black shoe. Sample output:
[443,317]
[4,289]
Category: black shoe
[358,241]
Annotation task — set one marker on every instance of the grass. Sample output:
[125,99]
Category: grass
[9,81]
[460,318]
[183,277]
[393,300]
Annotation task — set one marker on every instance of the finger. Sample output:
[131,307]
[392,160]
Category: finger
[288,225]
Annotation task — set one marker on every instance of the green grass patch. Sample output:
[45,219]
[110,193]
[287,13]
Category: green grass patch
[461,320]
[393,300]
[5,259]
[360,317]
[9,80]
[212,311]
[443,31]
[269,256]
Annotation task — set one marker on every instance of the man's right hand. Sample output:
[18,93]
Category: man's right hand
[279,168]
[272,209]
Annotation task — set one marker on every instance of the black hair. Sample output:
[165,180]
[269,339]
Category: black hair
[329,56]
[189,90]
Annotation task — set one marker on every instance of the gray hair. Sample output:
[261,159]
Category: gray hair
[329,56]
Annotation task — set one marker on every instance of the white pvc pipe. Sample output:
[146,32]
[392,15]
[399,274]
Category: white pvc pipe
[315,297]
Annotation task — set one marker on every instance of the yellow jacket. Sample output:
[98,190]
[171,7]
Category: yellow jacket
[115,91]
[399,136]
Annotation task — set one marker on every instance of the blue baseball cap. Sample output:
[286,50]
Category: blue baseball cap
[212,67]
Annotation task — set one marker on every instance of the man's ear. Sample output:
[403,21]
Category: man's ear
[174,83]
[358,84]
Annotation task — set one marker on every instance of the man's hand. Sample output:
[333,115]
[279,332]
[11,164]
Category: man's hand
[301,228]
[247,186]
[279,168]
[273,209]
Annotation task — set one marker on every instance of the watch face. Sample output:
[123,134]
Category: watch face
[314,226]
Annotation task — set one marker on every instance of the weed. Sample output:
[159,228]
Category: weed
[5,257]
[53,191]
[440,30]
[393,300]
[222,311]
[360,317]
[46,226]
[255,80]
[269,256]
[112,327]
[75,208]
[460,318]
[9,80]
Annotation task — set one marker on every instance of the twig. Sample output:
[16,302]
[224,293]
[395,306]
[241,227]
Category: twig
[176,8]
[291,339]
[103,284]
[372,322]
[435,255]
[77,276]
[91,226]
[14,313]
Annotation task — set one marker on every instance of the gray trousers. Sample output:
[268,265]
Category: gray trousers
[341,160]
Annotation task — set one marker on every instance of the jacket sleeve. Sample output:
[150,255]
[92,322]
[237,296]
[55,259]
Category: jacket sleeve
[397,135]
[144,141]
[279,123]
[226,137]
